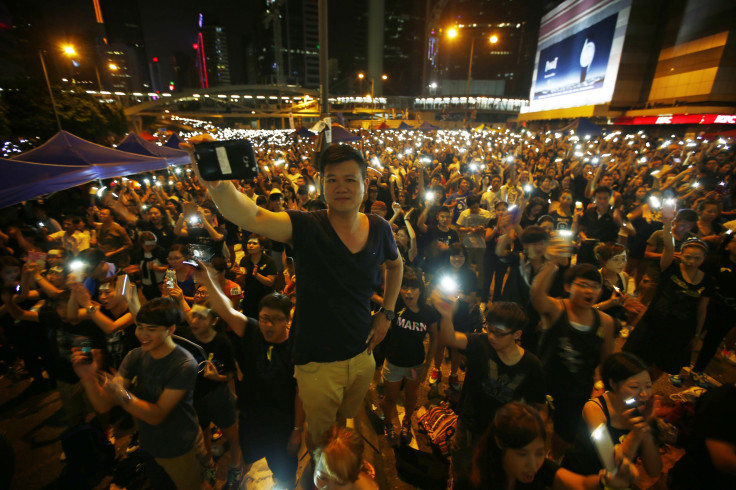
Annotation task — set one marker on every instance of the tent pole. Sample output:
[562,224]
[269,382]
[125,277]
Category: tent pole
[51,93]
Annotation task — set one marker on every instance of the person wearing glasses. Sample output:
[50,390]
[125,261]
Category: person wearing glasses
[271,417]
[498,371]
[576,338]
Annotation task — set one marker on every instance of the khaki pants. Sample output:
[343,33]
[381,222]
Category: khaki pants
[186,470]
[333,389]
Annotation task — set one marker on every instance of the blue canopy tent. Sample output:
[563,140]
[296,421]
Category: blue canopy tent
[28,180]
[582,126]
[135,144]
[403,125]
[174,141]
[341,134]
[427,127]
[69,150]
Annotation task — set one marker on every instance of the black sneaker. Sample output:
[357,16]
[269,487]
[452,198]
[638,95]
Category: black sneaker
[406,434]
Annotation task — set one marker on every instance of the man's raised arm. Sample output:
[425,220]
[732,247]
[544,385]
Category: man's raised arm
[242,211]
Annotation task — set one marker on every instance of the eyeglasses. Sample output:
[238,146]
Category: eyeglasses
[499,333]
[583,285]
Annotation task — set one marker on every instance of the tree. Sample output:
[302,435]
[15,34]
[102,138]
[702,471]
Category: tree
[31,115]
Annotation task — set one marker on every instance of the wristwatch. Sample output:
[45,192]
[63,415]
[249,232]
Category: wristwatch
[91,309]
[390,314]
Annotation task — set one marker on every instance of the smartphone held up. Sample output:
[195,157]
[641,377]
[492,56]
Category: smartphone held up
[226,160]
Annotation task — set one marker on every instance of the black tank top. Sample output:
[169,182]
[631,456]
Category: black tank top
[581,457]
[617,435]
[570,356]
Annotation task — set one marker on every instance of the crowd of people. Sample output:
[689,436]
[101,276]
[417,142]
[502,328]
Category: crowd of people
[521,256]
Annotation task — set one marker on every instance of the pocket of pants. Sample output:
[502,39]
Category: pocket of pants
[309,368]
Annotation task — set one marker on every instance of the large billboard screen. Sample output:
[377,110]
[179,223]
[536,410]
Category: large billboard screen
[578,54]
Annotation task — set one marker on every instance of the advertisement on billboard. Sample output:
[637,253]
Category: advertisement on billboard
[578,54]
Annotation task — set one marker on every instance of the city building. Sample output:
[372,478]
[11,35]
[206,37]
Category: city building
[283,47]
[500,35]
[613,62]
[124,65]
[213,55]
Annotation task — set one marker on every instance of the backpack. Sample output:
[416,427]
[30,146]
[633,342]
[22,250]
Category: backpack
[421,469]
[439,422]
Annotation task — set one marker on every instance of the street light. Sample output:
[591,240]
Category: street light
[71,53]
[361,77]
[493,39]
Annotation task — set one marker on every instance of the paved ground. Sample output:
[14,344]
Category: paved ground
[33,421]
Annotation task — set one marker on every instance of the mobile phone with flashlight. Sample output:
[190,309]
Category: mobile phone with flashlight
[668,208]
[565,238]
[578,206]
[226,160]
[77,270]
[196,254]
[449,286]
[604,447]
[632,403]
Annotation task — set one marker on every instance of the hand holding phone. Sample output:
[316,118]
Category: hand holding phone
[668,208]
[632,403]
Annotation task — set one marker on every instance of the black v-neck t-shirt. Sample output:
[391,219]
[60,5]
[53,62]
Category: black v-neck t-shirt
[332,318]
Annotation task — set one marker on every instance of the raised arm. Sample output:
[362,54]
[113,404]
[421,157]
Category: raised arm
[413,250]
[448,336]
[547,306]
[104,322]
[242,211]
[221,303]
[668,252]
[422,221]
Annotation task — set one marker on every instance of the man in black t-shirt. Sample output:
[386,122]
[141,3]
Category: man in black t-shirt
[336,255]
[438,240]
[498,371]
[271,418]
[599,224]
